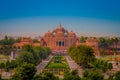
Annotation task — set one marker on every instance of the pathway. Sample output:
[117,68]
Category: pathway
[43,64]
[73,65]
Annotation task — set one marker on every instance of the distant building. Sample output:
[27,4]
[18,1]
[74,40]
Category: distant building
[116,46]
[25,41]
[93,42]
[59,39]
[14,54]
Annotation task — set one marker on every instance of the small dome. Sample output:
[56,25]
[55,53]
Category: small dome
[48,33]
[71,33]
[59,29]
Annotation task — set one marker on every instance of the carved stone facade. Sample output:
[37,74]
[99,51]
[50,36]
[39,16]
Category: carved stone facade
[59,39]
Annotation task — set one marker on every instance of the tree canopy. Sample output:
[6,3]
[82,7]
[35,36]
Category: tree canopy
[82,54]
[25,72]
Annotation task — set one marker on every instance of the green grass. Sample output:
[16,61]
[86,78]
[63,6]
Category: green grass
[109,57]
[57,65]
[4,56]
[61,65]
[2,61]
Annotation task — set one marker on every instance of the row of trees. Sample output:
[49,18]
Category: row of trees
[8,65]
[6,45]
[105,43]
[94,68]
[92,75]
[32,54]
[28,54]
[83,39]
[100,65]
[84,56]
[97,75]
[27,72]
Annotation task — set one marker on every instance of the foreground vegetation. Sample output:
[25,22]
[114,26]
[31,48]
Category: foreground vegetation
[34,55]
[84,56]
[27,72]
[28,54]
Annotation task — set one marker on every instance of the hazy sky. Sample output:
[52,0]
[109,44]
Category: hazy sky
[35,17]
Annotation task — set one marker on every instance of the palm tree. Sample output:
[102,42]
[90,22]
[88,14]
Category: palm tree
[115,40]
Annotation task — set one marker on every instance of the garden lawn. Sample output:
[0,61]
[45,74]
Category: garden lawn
[4,56]
[63,64]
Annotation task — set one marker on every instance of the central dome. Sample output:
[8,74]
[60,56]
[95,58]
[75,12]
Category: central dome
[59,39]
[60,31]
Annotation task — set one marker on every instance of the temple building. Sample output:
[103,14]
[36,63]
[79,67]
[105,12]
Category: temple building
[59,39]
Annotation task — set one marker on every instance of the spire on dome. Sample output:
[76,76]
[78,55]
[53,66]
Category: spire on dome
[60,26]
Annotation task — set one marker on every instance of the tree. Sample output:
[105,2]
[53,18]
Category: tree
[73,75]
[111,77]
[110,66]
[92,75]
[28,48]
[0,77]
[115,40]
[117,75]
[13,64]
[86,73]
[83,39]
[100,65]
[38,77]
[7,66]
[16,76]
[7,45]
[18,39]
[25,72]
[25,57]
[35,40]
[2,65]
[102,42]
[41,52]
[82,54]
[38,53]
[49,76]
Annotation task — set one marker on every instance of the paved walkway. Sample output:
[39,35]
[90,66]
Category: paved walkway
[43,64]
[73,65]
